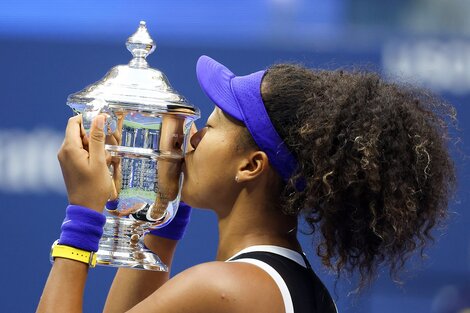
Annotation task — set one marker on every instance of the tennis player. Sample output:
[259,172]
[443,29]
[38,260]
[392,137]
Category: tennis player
[362,160]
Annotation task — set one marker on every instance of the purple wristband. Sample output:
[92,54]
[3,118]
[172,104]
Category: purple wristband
[177,227]
[82,228]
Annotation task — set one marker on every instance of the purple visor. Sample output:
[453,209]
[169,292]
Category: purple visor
[240,97]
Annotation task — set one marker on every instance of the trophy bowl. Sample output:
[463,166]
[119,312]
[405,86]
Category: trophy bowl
[147,128]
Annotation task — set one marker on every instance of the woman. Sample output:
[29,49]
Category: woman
[364,161]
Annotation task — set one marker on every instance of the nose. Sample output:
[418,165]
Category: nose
[197,137]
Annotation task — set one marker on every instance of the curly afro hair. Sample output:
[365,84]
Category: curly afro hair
[375,160]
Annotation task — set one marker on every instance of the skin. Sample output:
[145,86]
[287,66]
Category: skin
[247,216]
[168,169]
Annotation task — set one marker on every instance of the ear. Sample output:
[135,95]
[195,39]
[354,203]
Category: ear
[252,166]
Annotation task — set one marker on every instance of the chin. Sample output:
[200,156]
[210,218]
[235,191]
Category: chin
[191,201]
[196,194]
[187,197]
[191,198]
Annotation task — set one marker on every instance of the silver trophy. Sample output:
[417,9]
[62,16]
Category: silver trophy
[147,127]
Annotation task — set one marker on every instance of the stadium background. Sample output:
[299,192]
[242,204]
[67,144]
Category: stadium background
[49,49]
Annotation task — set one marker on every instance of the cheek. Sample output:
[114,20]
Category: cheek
[208,176]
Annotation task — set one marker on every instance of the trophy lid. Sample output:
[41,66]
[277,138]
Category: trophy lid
[135,86]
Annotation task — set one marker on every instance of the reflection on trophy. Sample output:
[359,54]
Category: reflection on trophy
[147,127]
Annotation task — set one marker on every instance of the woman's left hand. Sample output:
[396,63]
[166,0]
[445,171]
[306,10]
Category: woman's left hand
[83,164]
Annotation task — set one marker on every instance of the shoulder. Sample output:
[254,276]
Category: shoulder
[216,287]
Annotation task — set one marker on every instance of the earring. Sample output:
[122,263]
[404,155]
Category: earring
[236,179]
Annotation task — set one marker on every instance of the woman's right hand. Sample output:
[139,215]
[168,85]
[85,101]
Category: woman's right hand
[83,164]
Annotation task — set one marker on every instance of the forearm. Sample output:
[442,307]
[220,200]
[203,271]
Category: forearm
[132,286]
[64,287]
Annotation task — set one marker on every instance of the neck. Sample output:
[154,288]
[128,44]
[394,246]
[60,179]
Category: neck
[253,221]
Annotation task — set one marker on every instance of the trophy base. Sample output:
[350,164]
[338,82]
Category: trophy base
[122,246]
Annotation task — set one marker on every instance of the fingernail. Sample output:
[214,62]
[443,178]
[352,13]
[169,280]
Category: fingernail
[100,122]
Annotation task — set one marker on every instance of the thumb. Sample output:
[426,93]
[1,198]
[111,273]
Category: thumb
[97,139]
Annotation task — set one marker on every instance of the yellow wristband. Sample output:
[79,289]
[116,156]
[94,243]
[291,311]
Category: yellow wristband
[66,252]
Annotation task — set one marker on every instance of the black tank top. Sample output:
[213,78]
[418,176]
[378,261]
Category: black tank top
[301,289]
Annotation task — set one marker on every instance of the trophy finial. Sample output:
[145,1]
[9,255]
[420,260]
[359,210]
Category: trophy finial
[140,44]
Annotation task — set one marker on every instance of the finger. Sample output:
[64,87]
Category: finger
[193,129]
[118,133]
[108,158]
[83,134]
[97,139]
[72,133]
[170,132]
[82,128]
[114,138]
[117,181]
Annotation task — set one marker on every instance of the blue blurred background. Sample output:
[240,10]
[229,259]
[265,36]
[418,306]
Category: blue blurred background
[51,49]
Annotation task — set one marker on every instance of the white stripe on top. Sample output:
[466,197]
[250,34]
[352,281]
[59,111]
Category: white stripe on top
[286,298]
[281,284]
[288,253]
